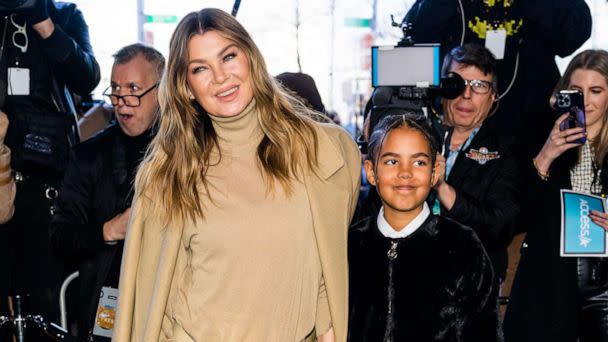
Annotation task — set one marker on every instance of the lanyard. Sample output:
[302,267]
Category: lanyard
[452,155]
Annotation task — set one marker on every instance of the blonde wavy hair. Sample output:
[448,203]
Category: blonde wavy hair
[179,155]
[596,60]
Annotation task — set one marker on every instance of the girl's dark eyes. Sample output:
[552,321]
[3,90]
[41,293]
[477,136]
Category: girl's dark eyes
[394,162]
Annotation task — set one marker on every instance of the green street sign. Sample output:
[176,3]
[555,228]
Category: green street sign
[163,19]
[357,22]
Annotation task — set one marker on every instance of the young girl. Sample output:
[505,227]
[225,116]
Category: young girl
[415,276]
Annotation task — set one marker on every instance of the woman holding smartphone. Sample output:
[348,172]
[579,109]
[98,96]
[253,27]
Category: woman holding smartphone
[556,298]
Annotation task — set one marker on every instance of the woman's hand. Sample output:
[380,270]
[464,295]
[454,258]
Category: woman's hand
[599,218]
[557,143]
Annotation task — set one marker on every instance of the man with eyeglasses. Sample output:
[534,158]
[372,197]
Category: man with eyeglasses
[479,183]
[45,56]
[93,206]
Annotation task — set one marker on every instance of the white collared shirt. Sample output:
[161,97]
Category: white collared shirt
[388,231]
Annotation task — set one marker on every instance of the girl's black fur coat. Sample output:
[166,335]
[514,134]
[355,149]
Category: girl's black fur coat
[438,288]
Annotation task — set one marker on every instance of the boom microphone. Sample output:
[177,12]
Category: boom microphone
[235,8]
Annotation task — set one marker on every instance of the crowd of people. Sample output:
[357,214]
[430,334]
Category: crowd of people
[46,56]
[218,202]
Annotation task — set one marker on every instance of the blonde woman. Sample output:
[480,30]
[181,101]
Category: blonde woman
[555,298]
[238,231]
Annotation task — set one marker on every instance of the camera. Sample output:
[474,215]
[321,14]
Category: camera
[16,5]
[409,66]
[406,79]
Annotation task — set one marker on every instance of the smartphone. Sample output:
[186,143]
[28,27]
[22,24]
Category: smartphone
[572,102]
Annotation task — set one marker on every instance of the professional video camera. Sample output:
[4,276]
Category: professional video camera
[406,78]
[16,5]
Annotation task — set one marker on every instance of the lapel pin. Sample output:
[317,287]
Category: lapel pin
[482,155]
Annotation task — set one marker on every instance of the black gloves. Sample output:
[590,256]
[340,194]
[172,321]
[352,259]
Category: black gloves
[37,13]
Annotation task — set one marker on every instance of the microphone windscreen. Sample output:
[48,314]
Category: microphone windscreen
[382,96]
[452,85]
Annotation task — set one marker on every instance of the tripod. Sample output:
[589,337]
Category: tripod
[21,322]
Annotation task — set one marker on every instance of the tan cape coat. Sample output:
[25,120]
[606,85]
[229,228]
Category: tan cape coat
[7,185]
[151,250]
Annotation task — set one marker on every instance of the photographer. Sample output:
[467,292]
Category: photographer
[479,176]
[45,56]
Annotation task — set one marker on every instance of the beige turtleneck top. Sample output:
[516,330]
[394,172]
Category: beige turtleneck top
[250,269]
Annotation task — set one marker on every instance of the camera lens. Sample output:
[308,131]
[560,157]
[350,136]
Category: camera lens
[563,100]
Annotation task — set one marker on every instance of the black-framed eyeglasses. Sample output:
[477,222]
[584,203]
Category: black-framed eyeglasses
[129,100]
[479,86]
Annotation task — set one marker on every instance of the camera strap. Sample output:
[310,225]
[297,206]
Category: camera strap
[3,37]
[515,71]
[450,160]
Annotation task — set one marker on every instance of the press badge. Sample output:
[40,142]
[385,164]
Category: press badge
[496,41]
[18,81]
[106,312]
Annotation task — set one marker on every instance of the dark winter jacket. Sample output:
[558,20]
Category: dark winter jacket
[97,186]
[438,288]
[488,193]
[58,66]
[544,301]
